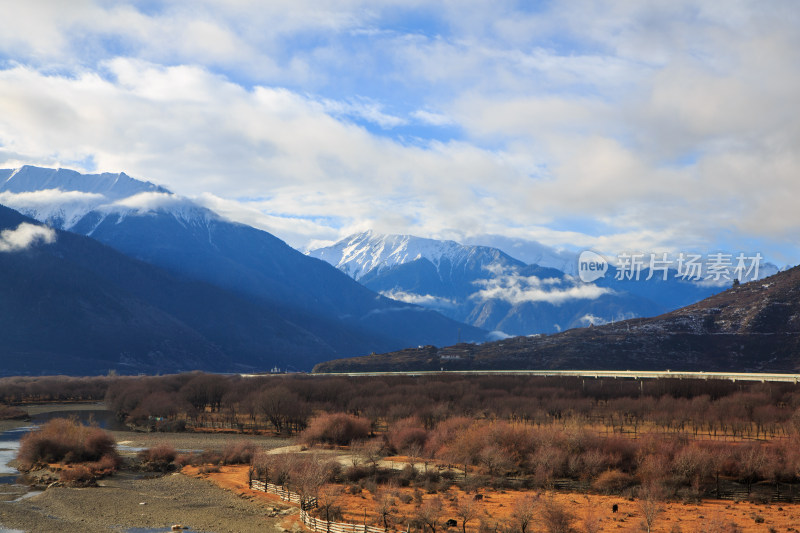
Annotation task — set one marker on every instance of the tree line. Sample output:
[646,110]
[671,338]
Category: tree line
[285,403]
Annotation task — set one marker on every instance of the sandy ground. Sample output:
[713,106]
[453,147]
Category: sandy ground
[193,441]
[711,516]
[673,517]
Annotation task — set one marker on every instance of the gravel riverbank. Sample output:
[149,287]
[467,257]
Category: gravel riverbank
[129,502]
[195,441]
[123,503]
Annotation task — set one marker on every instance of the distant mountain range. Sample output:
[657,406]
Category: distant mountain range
[250,300]
[134,278]
[487,288]
[752,327]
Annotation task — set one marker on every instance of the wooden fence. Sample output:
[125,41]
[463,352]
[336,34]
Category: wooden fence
[319,525]
[316,524]
[284,493]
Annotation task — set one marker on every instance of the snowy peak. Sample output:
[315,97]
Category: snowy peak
[111,186]
[63,198]
[368,252]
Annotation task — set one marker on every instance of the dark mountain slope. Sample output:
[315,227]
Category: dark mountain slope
[76,306]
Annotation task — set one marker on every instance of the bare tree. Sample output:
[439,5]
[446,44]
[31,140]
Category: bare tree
[385,508]
[591,521]
[273,403]
[327,500]
[414,452]
[307,476]
[523,513]
[369,452]
[650,506]
[495,460]
[430,513]
[467,510]
[555,517]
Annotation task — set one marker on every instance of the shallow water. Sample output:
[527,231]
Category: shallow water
[9,445]
[29,494]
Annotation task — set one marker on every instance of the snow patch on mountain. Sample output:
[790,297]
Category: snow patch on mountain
[366,252]
[111,186]
[30,191]
[54,207]
[146,203]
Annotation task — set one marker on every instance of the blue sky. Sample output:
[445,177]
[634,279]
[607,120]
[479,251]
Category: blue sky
[657,126]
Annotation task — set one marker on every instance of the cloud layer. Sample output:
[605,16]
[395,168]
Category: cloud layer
[24,236]
[516,289]
[667,125]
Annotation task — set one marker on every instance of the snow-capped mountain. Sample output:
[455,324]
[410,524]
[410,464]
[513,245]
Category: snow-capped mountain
[149,223]
[371,253]
[488,288]
[63,198]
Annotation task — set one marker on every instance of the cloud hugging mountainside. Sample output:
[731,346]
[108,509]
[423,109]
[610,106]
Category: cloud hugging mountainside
[307,310]
[487,288]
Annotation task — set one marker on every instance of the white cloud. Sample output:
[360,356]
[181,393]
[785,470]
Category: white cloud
[516,289]
[301,233]
[24,236]
[592,320]
[606,125]
[434,119]
[364,109]
[425,300]
[498,335]
[53,206]
[148,201]
[48,197]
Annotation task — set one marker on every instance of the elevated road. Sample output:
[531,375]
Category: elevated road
[613,374]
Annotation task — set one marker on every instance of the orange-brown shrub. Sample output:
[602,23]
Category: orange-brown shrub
[612,481]
[158,458]
[77,475]
[335,428]
[239,453]
[206,457]
[106,465]
[9,412]
[65,441]
[407,435]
